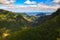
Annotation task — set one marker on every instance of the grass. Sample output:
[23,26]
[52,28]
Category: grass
[58,38]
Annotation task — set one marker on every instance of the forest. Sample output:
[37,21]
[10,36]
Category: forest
[17,26]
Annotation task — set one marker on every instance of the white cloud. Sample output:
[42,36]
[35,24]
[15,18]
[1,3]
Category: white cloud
[47,6]
[6,2]
[40,7]
[32,8]
[56,1]
[29,2]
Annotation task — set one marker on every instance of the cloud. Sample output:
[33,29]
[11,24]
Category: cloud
[56,1]
[29,2]
[40,7]
[48,6]
[6,2]
[32,8]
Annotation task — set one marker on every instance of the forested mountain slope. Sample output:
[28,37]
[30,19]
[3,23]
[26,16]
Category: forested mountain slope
[12,20]
[49,30]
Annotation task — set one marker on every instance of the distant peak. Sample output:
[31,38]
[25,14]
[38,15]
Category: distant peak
[1,10]
[58,10]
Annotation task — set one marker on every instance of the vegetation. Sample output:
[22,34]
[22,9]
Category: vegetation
[14,26]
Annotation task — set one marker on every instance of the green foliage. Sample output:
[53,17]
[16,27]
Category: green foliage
[20,28]
[25,34]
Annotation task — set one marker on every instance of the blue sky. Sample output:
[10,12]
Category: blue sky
[20,2]
[30,5]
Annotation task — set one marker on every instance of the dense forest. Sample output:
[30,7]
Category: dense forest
[18,26]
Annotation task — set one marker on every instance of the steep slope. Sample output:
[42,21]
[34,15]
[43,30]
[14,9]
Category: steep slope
[56,13]
[41,18]
[51,27]
[28,18]
[49,30]
[12,20]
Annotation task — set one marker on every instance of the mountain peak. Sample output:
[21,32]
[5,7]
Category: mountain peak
[1,10]
[57,12]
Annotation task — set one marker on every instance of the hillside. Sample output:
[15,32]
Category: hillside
[51,26]
[15,26]
[49,30]
[12,20]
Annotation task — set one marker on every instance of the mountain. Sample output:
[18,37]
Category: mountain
[47,26]
[40,18]
[48,30]
[13,20]
[56,13]
[41,14]
[51,27]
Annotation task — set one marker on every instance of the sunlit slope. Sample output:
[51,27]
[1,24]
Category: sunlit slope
[13,20]
[49,30]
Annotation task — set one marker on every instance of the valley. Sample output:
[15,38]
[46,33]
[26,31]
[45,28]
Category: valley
[20,26]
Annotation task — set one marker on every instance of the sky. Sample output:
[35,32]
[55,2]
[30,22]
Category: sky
[30,5]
